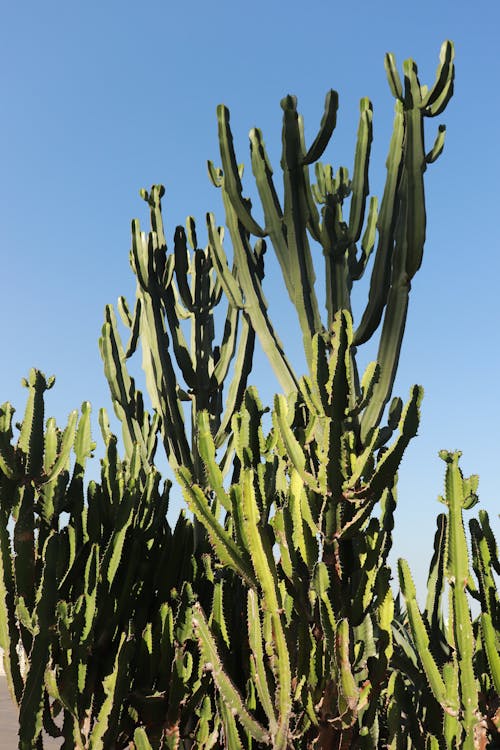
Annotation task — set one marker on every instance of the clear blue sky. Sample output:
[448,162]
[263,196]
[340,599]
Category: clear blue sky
[102,98]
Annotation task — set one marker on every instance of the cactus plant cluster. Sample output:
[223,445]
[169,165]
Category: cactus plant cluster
[171,289]
[104,644]
[269,619]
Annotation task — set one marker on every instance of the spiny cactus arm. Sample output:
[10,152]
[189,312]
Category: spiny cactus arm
[388,465]
[340,397]
[112,688]
[296,216]
[131,322]
[452,729]
[301,539]
[421,639]
[360,464]
[31,707]
[482,564]
[181,349]
[460,494]
[291,445]
[227,690]
[326,128]
[385,617]
[202,331]
[182,265]
[349,529]
[490,639]
[231,736]
[414,166]
[9,633]
[217,620]
[490,540]
[409,239]
[236,391]
[232,181]
[84,445]
[397,737]
[31,442]
[206,448]
[393,77]
[321,586]
[24,550]
[219,260]
[437,148]
[259,671]
[226,549]
[46,491]
[255,304]
[162,382]
[273,212]
[86,608]
[381,272]
[372,570]
[314,388]
[142,255]
[114,549]
[388,355]
[348,693]
[62,457]
[360,189]
[357,268]
[120,384]
[260,550]
[337,256]
[227,347]
[340,387]
[435,580]
[435,101]
[7,453]
[126,316]
[153,199]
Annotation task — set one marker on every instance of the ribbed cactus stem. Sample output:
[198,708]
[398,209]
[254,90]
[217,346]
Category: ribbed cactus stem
[460,494]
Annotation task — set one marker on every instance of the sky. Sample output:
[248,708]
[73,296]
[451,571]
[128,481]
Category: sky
[103,98]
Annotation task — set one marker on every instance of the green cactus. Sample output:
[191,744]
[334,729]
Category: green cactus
[328,589]
[88,590]
[290,225]
[461,662]
[172,288]
[270,620]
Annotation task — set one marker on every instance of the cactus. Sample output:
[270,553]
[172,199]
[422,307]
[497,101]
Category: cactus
[400,222]
[268,621]
[327,596]
[67,603]
[172,288]
[461,662]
